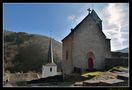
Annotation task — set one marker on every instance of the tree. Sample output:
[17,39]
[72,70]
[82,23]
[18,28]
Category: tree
[30,58]
[10,38]
[17,38]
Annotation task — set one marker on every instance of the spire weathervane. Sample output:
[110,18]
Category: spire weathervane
[89,10]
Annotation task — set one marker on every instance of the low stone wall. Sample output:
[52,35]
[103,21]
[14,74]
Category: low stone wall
[111,62]
[17,77]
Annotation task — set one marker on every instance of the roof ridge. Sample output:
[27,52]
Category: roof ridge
[94,13]
[94,16]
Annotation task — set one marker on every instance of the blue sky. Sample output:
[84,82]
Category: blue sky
[59,18]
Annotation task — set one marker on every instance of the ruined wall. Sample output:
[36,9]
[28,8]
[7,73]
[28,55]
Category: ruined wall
[117,59]
[111,62]
[17,77]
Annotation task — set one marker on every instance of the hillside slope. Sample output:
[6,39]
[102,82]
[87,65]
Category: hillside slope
[125,50]
[28,52]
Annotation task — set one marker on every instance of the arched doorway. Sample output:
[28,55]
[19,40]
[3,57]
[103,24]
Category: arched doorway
[90,61]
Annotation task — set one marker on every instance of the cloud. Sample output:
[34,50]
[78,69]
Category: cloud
[72,17]
[78,19]
[126,43]
[115,24]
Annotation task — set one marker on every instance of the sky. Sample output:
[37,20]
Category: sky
[57,19]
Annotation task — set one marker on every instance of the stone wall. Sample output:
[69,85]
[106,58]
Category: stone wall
[17,77]
[86,37]
[89,38]
[119,54]
[67,62]
[111,62]
[49,69]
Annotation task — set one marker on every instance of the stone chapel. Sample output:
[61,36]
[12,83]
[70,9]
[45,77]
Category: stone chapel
[86,46]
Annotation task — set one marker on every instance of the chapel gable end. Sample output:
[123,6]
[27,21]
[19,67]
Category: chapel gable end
[96,18]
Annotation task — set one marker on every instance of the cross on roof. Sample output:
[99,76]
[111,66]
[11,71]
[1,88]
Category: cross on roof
[88,10]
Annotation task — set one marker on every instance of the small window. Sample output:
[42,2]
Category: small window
[66,55]
[50,69]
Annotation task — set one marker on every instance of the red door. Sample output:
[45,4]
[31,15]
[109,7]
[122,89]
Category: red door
[90,63]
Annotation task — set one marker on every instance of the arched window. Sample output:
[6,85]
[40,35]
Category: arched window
[50,69]
[90,61]
[66,54]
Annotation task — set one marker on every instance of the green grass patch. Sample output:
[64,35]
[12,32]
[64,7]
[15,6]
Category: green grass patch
[90,74]
[118,68]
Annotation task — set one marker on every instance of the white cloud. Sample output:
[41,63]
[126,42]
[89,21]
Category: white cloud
[116,19]
[78,19]
[72,17]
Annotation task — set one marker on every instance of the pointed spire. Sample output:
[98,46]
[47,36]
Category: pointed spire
[50,52]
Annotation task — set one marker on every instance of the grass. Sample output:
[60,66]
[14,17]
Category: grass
[118,68]
[90,74]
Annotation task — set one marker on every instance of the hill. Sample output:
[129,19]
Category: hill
[125,50]
[25,52]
